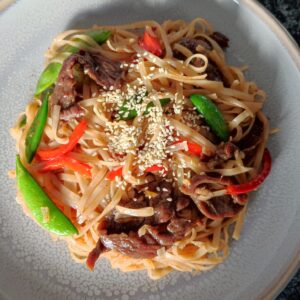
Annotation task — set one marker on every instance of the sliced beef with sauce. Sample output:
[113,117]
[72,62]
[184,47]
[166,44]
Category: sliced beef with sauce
[103,71]
[175,230]
[253,137]
[163,212]
[182,203]
[131,224]
[192,44]
[171,222]
[179,227]
[161,236]
[73,112]
[221,39]
[226,151]
[94,254]
[213,73]
[198,181]
[129,244]
[219,207]
[216,207]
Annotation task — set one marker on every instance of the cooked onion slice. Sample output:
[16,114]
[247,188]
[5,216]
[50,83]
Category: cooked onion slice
[136,212]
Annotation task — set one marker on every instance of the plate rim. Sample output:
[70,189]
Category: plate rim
[290,44]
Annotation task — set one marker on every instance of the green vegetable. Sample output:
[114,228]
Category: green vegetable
[129,114]
[99,36]
[163,102]
[36,199]
[48,77]
[36,129]
[51,72]
[23,121]
[212,115]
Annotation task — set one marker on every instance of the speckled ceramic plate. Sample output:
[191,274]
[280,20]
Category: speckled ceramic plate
[34,267]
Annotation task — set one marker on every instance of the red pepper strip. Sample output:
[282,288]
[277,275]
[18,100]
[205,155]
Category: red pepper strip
[68,163]
[193,148]
[151,44]
[256,181]
[155,168]
[114,173]
[63,149]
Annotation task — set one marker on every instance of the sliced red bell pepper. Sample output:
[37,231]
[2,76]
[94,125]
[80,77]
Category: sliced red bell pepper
[68,163]
[155,168]
[253,184]
[114,173]
[193,148]
[151,44]
[63,149]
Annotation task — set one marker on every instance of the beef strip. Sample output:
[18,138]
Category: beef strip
[192,44]
[74,111]
[182,203]
[104,71]
[221,39]
[94,255]
[162,237]
[129,244]
[253,137]
[199,180]
[189,212]
[179,227]
[114,226]
[226,151]
[162,188]
[163,212]
[213,73]
[171,222]
[219,207]
[149,239]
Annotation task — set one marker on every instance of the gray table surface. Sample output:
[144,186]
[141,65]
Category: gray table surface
[288,13]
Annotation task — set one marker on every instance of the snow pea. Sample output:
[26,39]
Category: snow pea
[212,115]
[36,129]
[129,114]
[36,200]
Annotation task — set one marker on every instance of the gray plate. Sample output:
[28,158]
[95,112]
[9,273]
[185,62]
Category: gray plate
[34,267]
